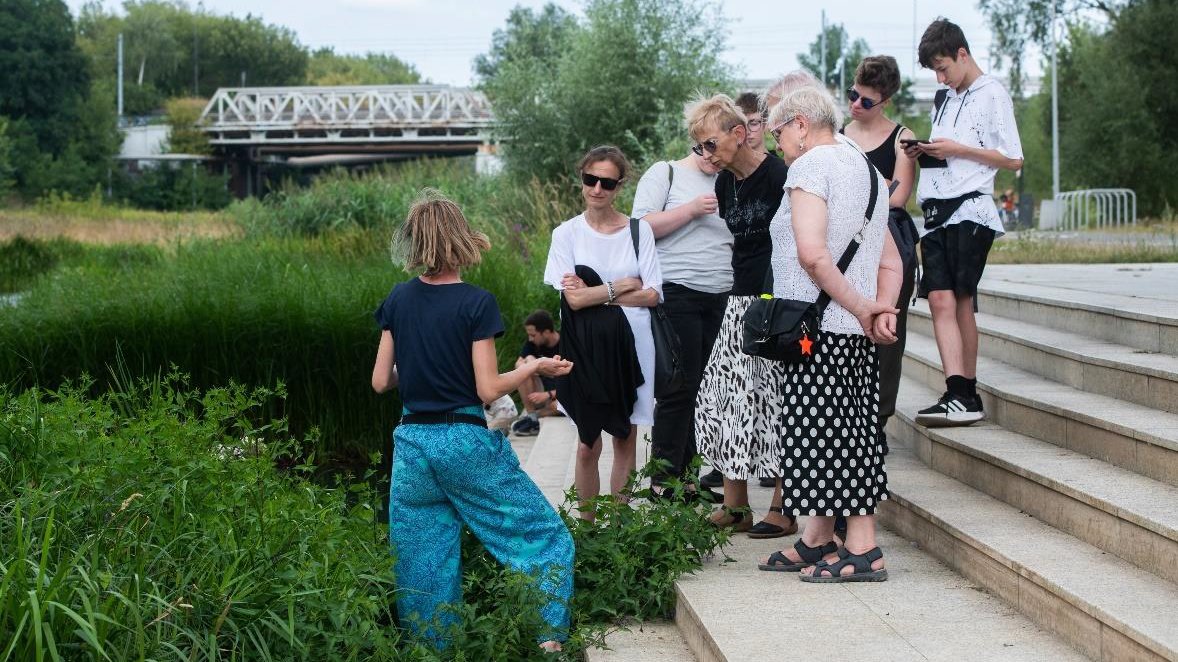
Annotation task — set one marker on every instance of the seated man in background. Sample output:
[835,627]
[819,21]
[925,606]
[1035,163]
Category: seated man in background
[537,393]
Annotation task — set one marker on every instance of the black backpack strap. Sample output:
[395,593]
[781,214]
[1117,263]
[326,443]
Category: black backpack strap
[853,247]
[670,182]
[938,101]
[634,235]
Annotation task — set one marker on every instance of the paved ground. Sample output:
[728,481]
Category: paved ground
[1156,284]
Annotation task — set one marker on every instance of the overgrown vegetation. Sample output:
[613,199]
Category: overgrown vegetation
[158,522]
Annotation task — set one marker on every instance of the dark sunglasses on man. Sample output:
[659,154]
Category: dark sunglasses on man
[593,180]
[867,102]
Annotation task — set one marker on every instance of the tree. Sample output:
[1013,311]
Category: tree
[326,67]
[43,75]
[1017,24]
[842,56]
[530,38]
[6,167]
[621,77]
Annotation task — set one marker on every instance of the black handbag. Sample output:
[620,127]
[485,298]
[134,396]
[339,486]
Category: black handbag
[668,350]
[786,329]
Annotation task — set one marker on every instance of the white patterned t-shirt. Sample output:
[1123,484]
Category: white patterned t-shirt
[982,117]
[838,174]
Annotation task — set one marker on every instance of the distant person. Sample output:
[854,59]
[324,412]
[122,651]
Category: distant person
[974,134]
[606,295]
[738,414]
[437,344]
[754,118]
[877,80]
[678,200]
[537,393]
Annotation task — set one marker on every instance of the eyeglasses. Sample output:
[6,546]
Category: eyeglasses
[776,131]
[593,180]
[708,145]
[867,102]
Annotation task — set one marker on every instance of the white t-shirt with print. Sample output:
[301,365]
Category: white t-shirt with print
[982,117]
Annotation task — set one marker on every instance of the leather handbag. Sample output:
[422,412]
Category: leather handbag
[668,350]
[786,329]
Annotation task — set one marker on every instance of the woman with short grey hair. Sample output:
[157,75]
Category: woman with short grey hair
[832,463]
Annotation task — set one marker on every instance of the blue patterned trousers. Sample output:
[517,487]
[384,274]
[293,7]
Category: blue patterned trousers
[447,475]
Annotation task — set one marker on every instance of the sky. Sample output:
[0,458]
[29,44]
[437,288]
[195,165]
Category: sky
[442,37]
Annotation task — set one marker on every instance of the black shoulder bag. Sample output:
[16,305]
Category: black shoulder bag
[668,350]
[785,329]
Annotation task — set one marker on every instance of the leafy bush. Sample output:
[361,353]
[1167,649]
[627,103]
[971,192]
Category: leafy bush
[174,187]
[152,522]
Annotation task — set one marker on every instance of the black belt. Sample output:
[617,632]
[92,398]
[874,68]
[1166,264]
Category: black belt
[444,418]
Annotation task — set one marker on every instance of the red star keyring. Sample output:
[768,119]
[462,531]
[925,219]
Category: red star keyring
[806,343]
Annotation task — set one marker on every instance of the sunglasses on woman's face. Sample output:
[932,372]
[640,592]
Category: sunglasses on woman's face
[867,102]
[709,145]
[593,180]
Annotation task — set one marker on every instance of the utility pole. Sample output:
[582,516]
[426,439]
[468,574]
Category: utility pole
[120,83]
[1054,108]
[195,60]
[823,47]
[915,43]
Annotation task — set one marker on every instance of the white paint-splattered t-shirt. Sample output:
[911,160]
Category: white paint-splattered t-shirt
[982,116]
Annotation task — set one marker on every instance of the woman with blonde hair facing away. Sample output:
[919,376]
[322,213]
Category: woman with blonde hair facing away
[833,462]
[437,344]
[607,289]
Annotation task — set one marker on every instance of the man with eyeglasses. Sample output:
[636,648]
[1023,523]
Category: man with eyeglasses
[754,116]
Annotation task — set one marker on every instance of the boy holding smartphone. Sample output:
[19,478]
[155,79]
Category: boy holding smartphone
[973,135]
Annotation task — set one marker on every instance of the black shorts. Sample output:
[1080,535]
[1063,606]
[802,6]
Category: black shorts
[953,257]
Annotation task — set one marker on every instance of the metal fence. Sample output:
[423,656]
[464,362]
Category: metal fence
[1096,208]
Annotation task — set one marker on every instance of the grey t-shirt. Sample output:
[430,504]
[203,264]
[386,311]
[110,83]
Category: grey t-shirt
[699,254]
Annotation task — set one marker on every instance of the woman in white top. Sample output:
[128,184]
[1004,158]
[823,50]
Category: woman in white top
[833,461]
[592,262]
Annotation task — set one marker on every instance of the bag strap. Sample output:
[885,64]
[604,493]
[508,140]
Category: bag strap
[634,235]
[852,248]
[670,182]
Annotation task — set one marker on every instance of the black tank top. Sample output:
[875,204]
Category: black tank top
[884,156]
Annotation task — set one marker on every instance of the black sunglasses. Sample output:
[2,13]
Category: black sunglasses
[709,145]
[867,103]
[593,180]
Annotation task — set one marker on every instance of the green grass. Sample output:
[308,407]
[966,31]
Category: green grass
[1044,248]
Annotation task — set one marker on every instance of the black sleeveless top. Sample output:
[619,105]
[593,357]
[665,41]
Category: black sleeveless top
[884,156]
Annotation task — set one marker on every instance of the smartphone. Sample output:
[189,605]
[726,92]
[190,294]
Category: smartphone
[909,142]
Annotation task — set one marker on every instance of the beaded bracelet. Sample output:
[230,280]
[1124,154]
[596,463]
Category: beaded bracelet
[609,289]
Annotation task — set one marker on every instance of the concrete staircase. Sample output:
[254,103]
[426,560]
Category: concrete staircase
[1047,532]
[1064,501]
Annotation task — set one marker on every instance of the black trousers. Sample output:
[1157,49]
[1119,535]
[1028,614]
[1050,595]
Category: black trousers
[891,357]
[696,317]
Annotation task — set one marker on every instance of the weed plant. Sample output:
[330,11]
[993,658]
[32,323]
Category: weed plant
[156,522]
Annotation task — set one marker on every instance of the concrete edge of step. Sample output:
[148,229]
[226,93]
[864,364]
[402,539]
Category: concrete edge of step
[949,437]
[1112,357]
[1095,418]
[900,499]
[1068,301]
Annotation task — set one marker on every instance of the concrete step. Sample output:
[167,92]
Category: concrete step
[1088,364]
[1090,300]
[654,641]
[732,612]
[1129,435]
[1112,508]
[1106,608]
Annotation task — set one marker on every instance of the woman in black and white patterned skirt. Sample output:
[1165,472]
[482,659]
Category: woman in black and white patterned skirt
[832,460]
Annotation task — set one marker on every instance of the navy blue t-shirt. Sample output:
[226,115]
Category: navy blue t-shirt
[433,327]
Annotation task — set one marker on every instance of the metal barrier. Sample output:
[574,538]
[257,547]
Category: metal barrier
[1096,208]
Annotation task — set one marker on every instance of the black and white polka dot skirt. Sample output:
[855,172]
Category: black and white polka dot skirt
[832,461]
